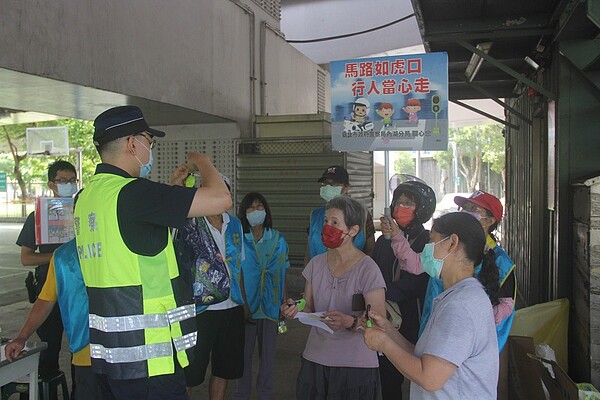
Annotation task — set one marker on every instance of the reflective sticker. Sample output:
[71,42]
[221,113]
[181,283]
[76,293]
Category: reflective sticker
[119,355]
[186,341]
[181,313]
[128,323]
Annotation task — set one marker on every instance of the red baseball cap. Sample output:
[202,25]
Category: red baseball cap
[484,200]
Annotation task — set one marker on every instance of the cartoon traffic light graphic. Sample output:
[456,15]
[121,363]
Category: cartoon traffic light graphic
[436,108]
[435,103]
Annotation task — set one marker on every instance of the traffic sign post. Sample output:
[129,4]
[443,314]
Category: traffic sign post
[2,181]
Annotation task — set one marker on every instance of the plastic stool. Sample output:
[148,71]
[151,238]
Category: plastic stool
[48,386]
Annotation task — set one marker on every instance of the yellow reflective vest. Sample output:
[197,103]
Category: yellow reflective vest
[135,320]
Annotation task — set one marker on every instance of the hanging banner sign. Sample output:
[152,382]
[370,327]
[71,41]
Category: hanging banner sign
[390,103]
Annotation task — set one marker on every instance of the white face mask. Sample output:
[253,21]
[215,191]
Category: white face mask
[66,189]
[473,214]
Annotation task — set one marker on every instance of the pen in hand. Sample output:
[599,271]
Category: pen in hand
[300,304]
[369,322]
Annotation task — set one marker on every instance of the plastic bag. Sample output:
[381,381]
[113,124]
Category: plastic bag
[199,257]
[546,323]
[587,391]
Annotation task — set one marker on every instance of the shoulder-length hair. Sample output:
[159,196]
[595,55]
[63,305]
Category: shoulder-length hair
[247,202]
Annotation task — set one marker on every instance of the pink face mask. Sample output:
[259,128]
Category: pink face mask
[404,215]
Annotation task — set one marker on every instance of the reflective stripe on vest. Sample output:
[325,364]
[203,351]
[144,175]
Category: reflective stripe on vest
[131,354]
[181,313]
[186,341]
[128,323]
[122,282]
[135,322]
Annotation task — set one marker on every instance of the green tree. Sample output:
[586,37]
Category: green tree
[25,168]
[494,152]
[475,145]
[14,136]
[443,159]
[405,164]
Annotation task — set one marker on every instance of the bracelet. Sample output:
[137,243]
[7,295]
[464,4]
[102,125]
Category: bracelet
[354,323]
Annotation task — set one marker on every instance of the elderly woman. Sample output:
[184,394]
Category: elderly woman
[338,365]
[456,357]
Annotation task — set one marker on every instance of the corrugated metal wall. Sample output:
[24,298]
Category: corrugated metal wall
[286,170]
[522,226]
[528,233]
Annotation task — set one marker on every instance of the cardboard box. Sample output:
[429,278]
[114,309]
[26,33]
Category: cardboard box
[523,382]
[558,384]
[529,375]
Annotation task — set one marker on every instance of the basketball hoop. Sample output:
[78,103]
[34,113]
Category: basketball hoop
[47,141]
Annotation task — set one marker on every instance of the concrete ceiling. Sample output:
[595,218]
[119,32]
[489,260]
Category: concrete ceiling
[30,98]
[511,29]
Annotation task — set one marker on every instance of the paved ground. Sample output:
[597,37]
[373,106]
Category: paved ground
[289,348]
[12,273]
[14,308]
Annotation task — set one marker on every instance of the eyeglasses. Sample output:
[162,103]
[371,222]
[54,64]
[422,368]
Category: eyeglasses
[151,141]
[64,181]
[405,204]
[470,207]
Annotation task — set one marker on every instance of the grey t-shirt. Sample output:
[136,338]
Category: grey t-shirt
[461,330]
[343,348]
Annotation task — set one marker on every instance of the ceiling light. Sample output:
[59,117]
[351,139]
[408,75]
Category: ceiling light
[532,63]
[476,61]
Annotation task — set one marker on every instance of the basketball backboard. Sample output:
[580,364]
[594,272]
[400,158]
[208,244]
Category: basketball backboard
[48,141]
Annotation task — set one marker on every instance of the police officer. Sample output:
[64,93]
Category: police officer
[141,323]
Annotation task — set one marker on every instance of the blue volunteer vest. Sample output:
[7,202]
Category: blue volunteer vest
[264,274]
[505,267]
[233,259]
[316,246]
[72,296]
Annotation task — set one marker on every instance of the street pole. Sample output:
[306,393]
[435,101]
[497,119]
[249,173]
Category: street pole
[386,177]
[455,165]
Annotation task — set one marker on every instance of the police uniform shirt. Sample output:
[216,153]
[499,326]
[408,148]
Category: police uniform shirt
[145,208]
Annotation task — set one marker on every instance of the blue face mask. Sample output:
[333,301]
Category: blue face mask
[145,169]
[256,217]
[433,266]
[66,189]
